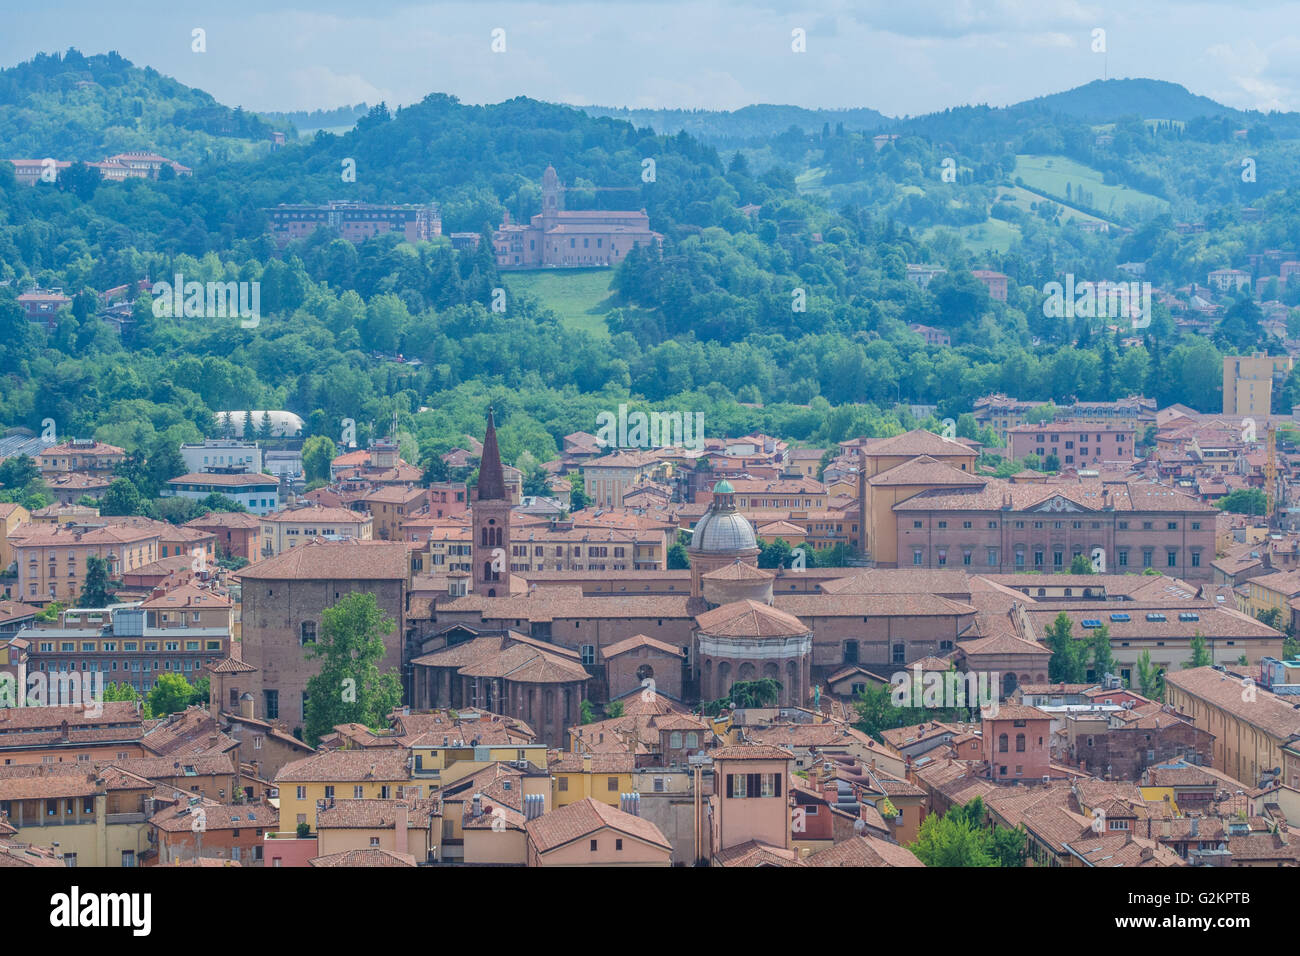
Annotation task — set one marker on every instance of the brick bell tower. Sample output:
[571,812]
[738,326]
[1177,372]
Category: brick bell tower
[491,515]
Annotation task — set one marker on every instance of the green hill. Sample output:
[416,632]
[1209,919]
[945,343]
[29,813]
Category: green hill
[79,107]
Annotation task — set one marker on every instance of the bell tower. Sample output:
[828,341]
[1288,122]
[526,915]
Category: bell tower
[491,519]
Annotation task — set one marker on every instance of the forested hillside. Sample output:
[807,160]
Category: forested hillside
[827,220]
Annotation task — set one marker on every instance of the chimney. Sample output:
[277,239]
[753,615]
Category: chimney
[586,763]
[63,731]
[247,707]
[476,805]
[400,827]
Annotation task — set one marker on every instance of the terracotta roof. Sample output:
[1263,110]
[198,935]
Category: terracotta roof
[750,619]
[575,821]
[864,851]
[640,640]
[1265,710]
[370,856]
[335,766]
[333,561]
[754,752]
[217,816]
[375,814]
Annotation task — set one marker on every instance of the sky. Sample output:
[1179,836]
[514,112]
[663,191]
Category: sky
[902,57]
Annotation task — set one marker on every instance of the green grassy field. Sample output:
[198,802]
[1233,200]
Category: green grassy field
[1052,173]
[577,296]
[995,234]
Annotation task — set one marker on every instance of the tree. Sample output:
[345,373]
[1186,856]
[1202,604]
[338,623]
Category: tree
[349,687]
[678,559]
[1103,661]
[1151,679]
[317,453]
[171,693]
[961,837]
[1200,653]
[50,612]
[1069,657]
[95,592]
[120,498]
[1081,565]
[765,692]
[614,709]
[17,472]
[586,712]
[1245,501]
[1272,617]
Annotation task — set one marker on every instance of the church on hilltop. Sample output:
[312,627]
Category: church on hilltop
[560,238]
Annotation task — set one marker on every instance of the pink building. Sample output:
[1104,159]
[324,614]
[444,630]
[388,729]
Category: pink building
[750,799]
[1017,743]
[354,221]
[996,282]
[570,238]
[1073,444]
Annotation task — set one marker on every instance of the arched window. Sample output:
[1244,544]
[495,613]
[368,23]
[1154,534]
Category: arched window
[644,672]
[850,652]
[692,739]
[307,632]
[675,740]
[1020,743]
[1002,743]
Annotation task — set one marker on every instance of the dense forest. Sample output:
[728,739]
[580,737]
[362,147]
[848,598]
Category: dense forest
[793,319]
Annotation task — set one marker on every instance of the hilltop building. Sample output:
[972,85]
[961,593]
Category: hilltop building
[560,238]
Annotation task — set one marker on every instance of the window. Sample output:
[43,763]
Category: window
[1020,743]
[899,654]
[564,784]
[1003,743]
[329,792]
[618,844]
[1173,559]
[611,784]
[593,846]
[358,792]
[589,654]
[302,793]
[916,557]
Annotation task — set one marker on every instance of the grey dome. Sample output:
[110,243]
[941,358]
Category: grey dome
[723,530]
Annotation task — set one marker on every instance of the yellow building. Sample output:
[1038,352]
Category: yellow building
[1269,591]
[95,813]
[599,776]
[898,468]
[400,826]
[1253,728]
[484,814]
[294,526]
[11,516]
[1248,382]
[372,773]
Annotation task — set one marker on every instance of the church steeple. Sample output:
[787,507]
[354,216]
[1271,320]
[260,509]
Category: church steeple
[491,478]
[491,521]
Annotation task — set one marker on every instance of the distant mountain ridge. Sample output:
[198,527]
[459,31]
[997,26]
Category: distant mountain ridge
[1100,101]
[730,127]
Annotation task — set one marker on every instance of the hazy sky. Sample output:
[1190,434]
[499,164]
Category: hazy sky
[900,57]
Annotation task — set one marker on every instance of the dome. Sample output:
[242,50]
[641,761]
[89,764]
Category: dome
[724,487]
[723,530]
